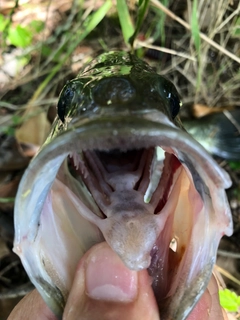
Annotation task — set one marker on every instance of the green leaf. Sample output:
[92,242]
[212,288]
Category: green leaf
[20,36]
[229,300]
[125,20]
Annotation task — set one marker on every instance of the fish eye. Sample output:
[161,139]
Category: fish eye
[175,105]
[64,101]
[169,93]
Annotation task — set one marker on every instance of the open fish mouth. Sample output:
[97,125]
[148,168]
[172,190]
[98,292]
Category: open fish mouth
[135,180]
[150,191]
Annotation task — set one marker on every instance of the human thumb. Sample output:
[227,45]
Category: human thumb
[104,288]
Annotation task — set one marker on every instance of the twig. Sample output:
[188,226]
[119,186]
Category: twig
[228,275]
[9,267]
[17,292]
[224,253]
[234,13]
[231,119]
[162,49]
[188,27]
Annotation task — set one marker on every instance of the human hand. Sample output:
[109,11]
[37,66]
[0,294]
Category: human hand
[103,288]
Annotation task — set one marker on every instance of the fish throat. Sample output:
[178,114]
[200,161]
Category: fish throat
[124,180]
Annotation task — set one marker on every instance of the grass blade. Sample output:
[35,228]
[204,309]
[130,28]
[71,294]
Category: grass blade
[195,27]
[96,18]
[125,20]
[197,41]
[143,5]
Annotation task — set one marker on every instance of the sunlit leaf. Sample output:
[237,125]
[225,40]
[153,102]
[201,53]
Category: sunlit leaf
[229,300]
[20,36]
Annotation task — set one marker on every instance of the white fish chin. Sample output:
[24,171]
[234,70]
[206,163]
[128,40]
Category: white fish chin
[154,195]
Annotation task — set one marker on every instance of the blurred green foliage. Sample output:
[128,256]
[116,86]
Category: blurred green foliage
[229,300]
[18,35]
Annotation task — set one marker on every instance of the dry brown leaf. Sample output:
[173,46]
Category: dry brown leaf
[200,110]
[35,129]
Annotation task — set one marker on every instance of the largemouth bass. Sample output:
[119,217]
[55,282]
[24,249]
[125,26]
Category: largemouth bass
[119,167]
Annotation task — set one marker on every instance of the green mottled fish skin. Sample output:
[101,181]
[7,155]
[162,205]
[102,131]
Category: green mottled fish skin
[124,83]
[217,133]
[77,100]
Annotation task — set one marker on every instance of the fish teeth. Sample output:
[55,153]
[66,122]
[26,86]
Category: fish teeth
[79,163]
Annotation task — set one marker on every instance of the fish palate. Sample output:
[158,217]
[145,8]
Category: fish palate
[118,166]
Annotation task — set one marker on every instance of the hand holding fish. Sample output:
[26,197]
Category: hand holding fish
[105,289]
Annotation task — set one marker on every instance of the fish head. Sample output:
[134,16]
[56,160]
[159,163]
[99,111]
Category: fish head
[119,167]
